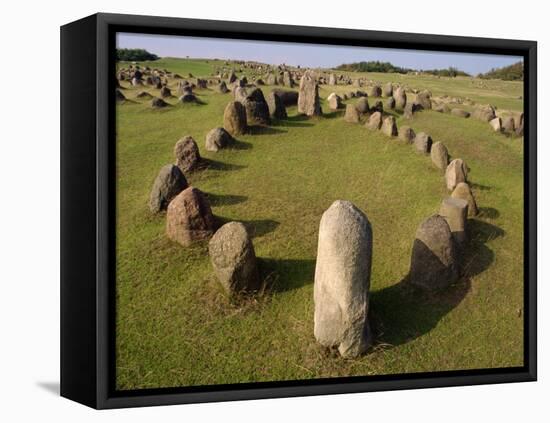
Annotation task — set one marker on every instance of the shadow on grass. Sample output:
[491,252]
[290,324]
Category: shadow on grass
[264,130]
[225,199]
[402,313]
[286,274]
[480,186]
[240,145]
[217,165]
[488,212]
[288,122]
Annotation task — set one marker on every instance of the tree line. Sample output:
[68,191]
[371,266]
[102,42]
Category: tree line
[134,55]
[507,73]
[387,67]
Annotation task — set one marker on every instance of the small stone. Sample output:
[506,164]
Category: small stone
[217,139]
[389,127]
[440,155]
[351,115]
[234,118]
[455,211]
[375,121]
[463,191]
[460,113]
[334,101]
[434,258]
[496,124]
[169,182]
[455,173]
[187,154]
[276,106]
[362,105]
[423,142]
[189,217]
[406,133]
[400,98]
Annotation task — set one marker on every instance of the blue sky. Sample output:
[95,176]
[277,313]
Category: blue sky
[307,55]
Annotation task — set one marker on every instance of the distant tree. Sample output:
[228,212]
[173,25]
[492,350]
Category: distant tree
[134,55]
[373,66]
[450,72]
[507,73]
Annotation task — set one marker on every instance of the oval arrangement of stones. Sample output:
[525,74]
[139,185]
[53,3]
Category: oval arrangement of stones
[344,249]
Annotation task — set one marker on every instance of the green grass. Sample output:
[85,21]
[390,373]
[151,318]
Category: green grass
[176,328]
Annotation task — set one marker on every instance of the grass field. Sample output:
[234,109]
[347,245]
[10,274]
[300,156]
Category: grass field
[174,326]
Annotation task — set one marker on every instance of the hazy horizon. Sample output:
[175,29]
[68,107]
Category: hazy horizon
[308,55]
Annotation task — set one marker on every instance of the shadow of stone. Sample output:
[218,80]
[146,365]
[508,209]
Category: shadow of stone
[297,118]
[480,186]
[225,199]
[281,275]
[333,114]
[292,123]
[217,165]
[255,228]
[488,212]
[264,130]
[50,387]
[402,312]
[240,145]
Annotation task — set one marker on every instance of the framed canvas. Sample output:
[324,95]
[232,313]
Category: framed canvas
[257,211]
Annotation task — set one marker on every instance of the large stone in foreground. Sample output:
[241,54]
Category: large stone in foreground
[234,260]
[463,191]
[440,156]
[456,173]
[234,118]
[434,259]
[217,139]
[342,279]
[187,154]
[308,96]
[169,182]
[189,217]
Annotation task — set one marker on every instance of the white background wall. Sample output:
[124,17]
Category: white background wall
[29,209]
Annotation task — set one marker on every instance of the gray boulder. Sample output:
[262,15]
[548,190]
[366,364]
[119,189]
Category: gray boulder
[455,212]
[234,260]
[308,96]
[234,118]
[460,113]
[440,156]
[463,192]
[434,258]
[277,109]
[342,279]
[187,154]
[351,115]
[406,133]
[362,105]
[389,126]
[423,143]
[217,139]
[257,110]
[334,101]
[400,98]
[387,89]
[169,182]
[456,173]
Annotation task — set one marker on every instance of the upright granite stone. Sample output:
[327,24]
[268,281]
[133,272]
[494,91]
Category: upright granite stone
[375,91]
[234,260]
[308,96]
[424,99]
[485,113]
[217,139]
[387,89]
[518,123]
[455,212]
[187,154]
[423,143]
[400,98]
[234,118]
[362,105]
[456,173]
[169,182]
[375,121]
[463,191]
[342,279]
[390,103]
[257,110]
[406,133]
[189,217]
[334,101]
[277,109]
[389,126]
[434,258]
[351,115]
[440,156]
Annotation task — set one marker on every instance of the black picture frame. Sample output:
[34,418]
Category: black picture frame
[87,209]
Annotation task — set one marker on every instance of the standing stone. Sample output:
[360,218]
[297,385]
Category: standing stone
[342,279]
[440,156]
[463,192]
[387,90]
[165,92]
[222,87]
[390,103]
[287,79]
[455,173]
[239,94]
[332,79]
[217,139]
[423,143]
[378,107]
[424,99]
[375,121]
[406,133]
[308,96]
[485,113]
[189,217]
[187,154]
[234,118]
[257,110]
[441,108]
[158,103]
[496,124]
[234,260]
[410,109]
[271,79]
[169,183]
[508,125]
[518,123]
[455,212]
[351,115]
[289,98]
[434,258]
[276,107]
[334,101]
[389,127]
[362,105]
[400,98]
[375,91]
